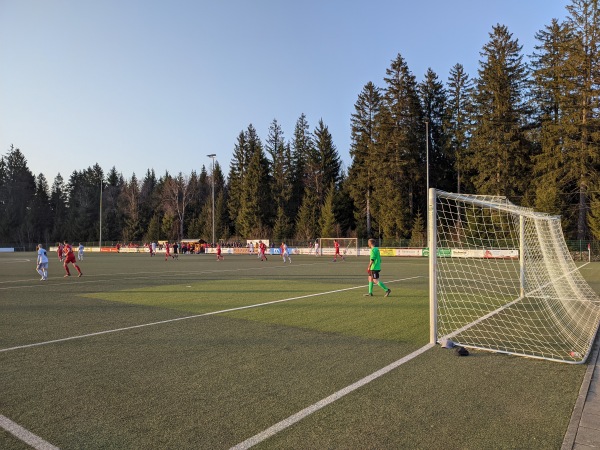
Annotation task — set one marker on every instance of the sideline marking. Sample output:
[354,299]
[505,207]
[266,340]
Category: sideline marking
[25,435]
[12,261]
[212,313]
[291,420]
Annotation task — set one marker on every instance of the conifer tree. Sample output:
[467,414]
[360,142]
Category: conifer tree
[549,86]
[58,207]
[256,207]
[581,117]
[301,149]
[498,152]
[281,168]
[327,222]
[460,89]
[237,173]
[362,150]
[399,183]
[434,100]
[307,221]
[129,204]
[17,191]
[39,214]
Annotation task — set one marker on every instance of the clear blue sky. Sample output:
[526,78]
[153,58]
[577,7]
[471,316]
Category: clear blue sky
[141,84]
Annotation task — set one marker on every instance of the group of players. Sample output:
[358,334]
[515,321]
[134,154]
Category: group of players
[65,255]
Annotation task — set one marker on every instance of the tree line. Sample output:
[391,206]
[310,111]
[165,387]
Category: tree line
[528,131]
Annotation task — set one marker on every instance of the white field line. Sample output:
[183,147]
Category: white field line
[25,435]
[212,313]
[291,420]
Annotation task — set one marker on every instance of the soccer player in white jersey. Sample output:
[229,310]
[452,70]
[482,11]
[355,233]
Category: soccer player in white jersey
[80,252]
[285,252]
[42,263]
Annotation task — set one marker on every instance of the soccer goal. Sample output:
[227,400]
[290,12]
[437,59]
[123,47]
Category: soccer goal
[502,279]
[348,246]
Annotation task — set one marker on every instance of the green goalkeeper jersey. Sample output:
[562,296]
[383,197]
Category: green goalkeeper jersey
[375,259]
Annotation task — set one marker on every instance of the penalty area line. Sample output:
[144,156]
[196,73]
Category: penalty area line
[25,435]
[212,313]
[291,420]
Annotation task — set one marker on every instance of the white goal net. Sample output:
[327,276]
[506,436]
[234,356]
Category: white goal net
[348,246]
[502,279]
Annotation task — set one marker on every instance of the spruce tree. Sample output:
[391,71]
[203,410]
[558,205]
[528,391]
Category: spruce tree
[460,88]
[362,150]
[301,148]
[581,118]
[434,100]
[499,153]
[399,183]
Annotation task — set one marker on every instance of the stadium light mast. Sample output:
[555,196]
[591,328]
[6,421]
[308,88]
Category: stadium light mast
[100,241]
[427,177]
[427,152]
[213,156]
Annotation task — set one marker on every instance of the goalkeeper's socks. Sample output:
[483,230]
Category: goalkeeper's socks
[382,286]
[370,287]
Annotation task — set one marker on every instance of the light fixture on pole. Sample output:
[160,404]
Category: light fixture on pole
[213,156]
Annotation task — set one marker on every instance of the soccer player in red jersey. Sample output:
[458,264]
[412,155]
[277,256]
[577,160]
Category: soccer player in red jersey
[167,251]
[69,257]
[219,255]
[262,248]
[336,244]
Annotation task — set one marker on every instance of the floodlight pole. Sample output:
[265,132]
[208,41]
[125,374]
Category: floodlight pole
[100,241]
[213,156]
[427,175]
[427,152]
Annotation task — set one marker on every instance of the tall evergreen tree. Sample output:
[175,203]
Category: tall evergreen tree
[129,204]
[301,148]
[581,117]
[281,167]
[549,86]
[399,185]
[256,206]
[323,164]
[58,207]
[498,152]
[39,213]
[112,216]
[434,100]
[237,174]
[328,226]
[362,150]
[460,89]
[17,191]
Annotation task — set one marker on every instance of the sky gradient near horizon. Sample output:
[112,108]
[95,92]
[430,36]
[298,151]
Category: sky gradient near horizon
[159,85]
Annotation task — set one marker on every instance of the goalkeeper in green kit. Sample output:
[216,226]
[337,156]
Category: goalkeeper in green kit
[374,268]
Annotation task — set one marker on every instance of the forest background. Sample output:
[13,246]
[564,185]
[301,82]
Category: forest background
[528,130]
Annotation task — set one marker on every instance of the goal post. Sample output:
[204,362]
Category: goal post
[348,246]
[502,279]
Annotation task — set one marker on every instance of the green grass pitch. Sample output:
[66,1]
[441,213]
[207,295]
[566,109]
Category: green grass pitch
[146,353]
